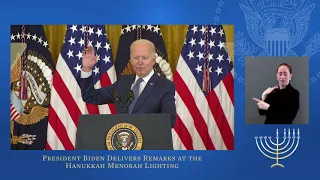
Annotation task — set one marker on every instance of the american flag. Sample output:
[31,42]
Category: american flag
[66,100]
[204,92]
[13,112]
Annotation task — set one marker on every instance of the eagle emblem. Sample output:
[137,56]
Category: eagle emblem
[124,136]
[277,26]
[124,139]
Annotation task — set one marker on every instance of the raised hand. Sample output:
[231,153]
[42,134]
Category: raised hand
[267,92]
[88,59]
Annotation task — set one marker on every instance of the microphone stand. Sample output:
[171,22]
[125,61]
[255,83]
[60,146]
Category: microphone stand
[124,105]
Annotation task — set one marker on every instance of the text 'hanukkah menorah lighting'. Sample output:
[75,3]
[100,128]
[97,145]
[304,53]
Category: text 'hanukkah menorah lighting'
[280,150]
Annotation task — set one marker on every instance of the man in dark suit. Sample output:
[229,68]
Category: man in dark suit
[152,93]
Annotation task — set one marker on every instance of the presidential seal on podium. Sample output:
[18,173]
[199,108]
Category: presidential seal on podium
[124,136]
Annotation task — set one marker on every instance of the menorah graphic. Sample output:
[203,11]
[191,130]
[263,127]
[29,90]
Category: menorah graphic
[280,150]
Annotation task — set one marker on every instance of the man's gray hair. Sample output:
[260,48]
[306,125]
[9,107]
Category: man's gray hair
[144,41]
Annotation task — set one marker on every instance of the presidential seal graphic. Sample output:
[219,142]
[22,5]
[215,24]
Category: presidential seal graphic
[124,136]
[277,26]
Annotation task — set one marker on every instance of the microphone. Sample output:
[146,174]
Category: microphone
[130,97]
[124,105]
[116,96]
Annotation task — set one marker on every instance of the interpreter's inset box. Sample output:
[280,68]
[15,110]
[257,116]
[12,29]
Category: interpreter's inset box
[277,90]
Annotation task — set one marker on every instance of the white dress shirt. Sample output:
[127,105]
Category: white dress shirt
[144,82]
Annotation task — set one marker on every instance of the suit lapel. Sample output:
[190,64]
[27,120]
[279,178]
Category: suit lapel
[146,92]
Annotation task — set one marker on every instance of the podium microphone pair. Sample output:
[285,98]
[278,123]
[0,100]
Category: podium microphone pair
[124,105]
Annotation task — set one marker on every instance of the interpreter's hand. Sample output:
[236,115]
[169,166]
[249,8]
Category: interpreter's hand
[267,92]
[88,59]
[261,104]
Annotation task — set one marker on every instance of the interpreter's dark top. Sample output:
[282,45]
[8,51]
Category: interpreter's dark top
[284,105]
